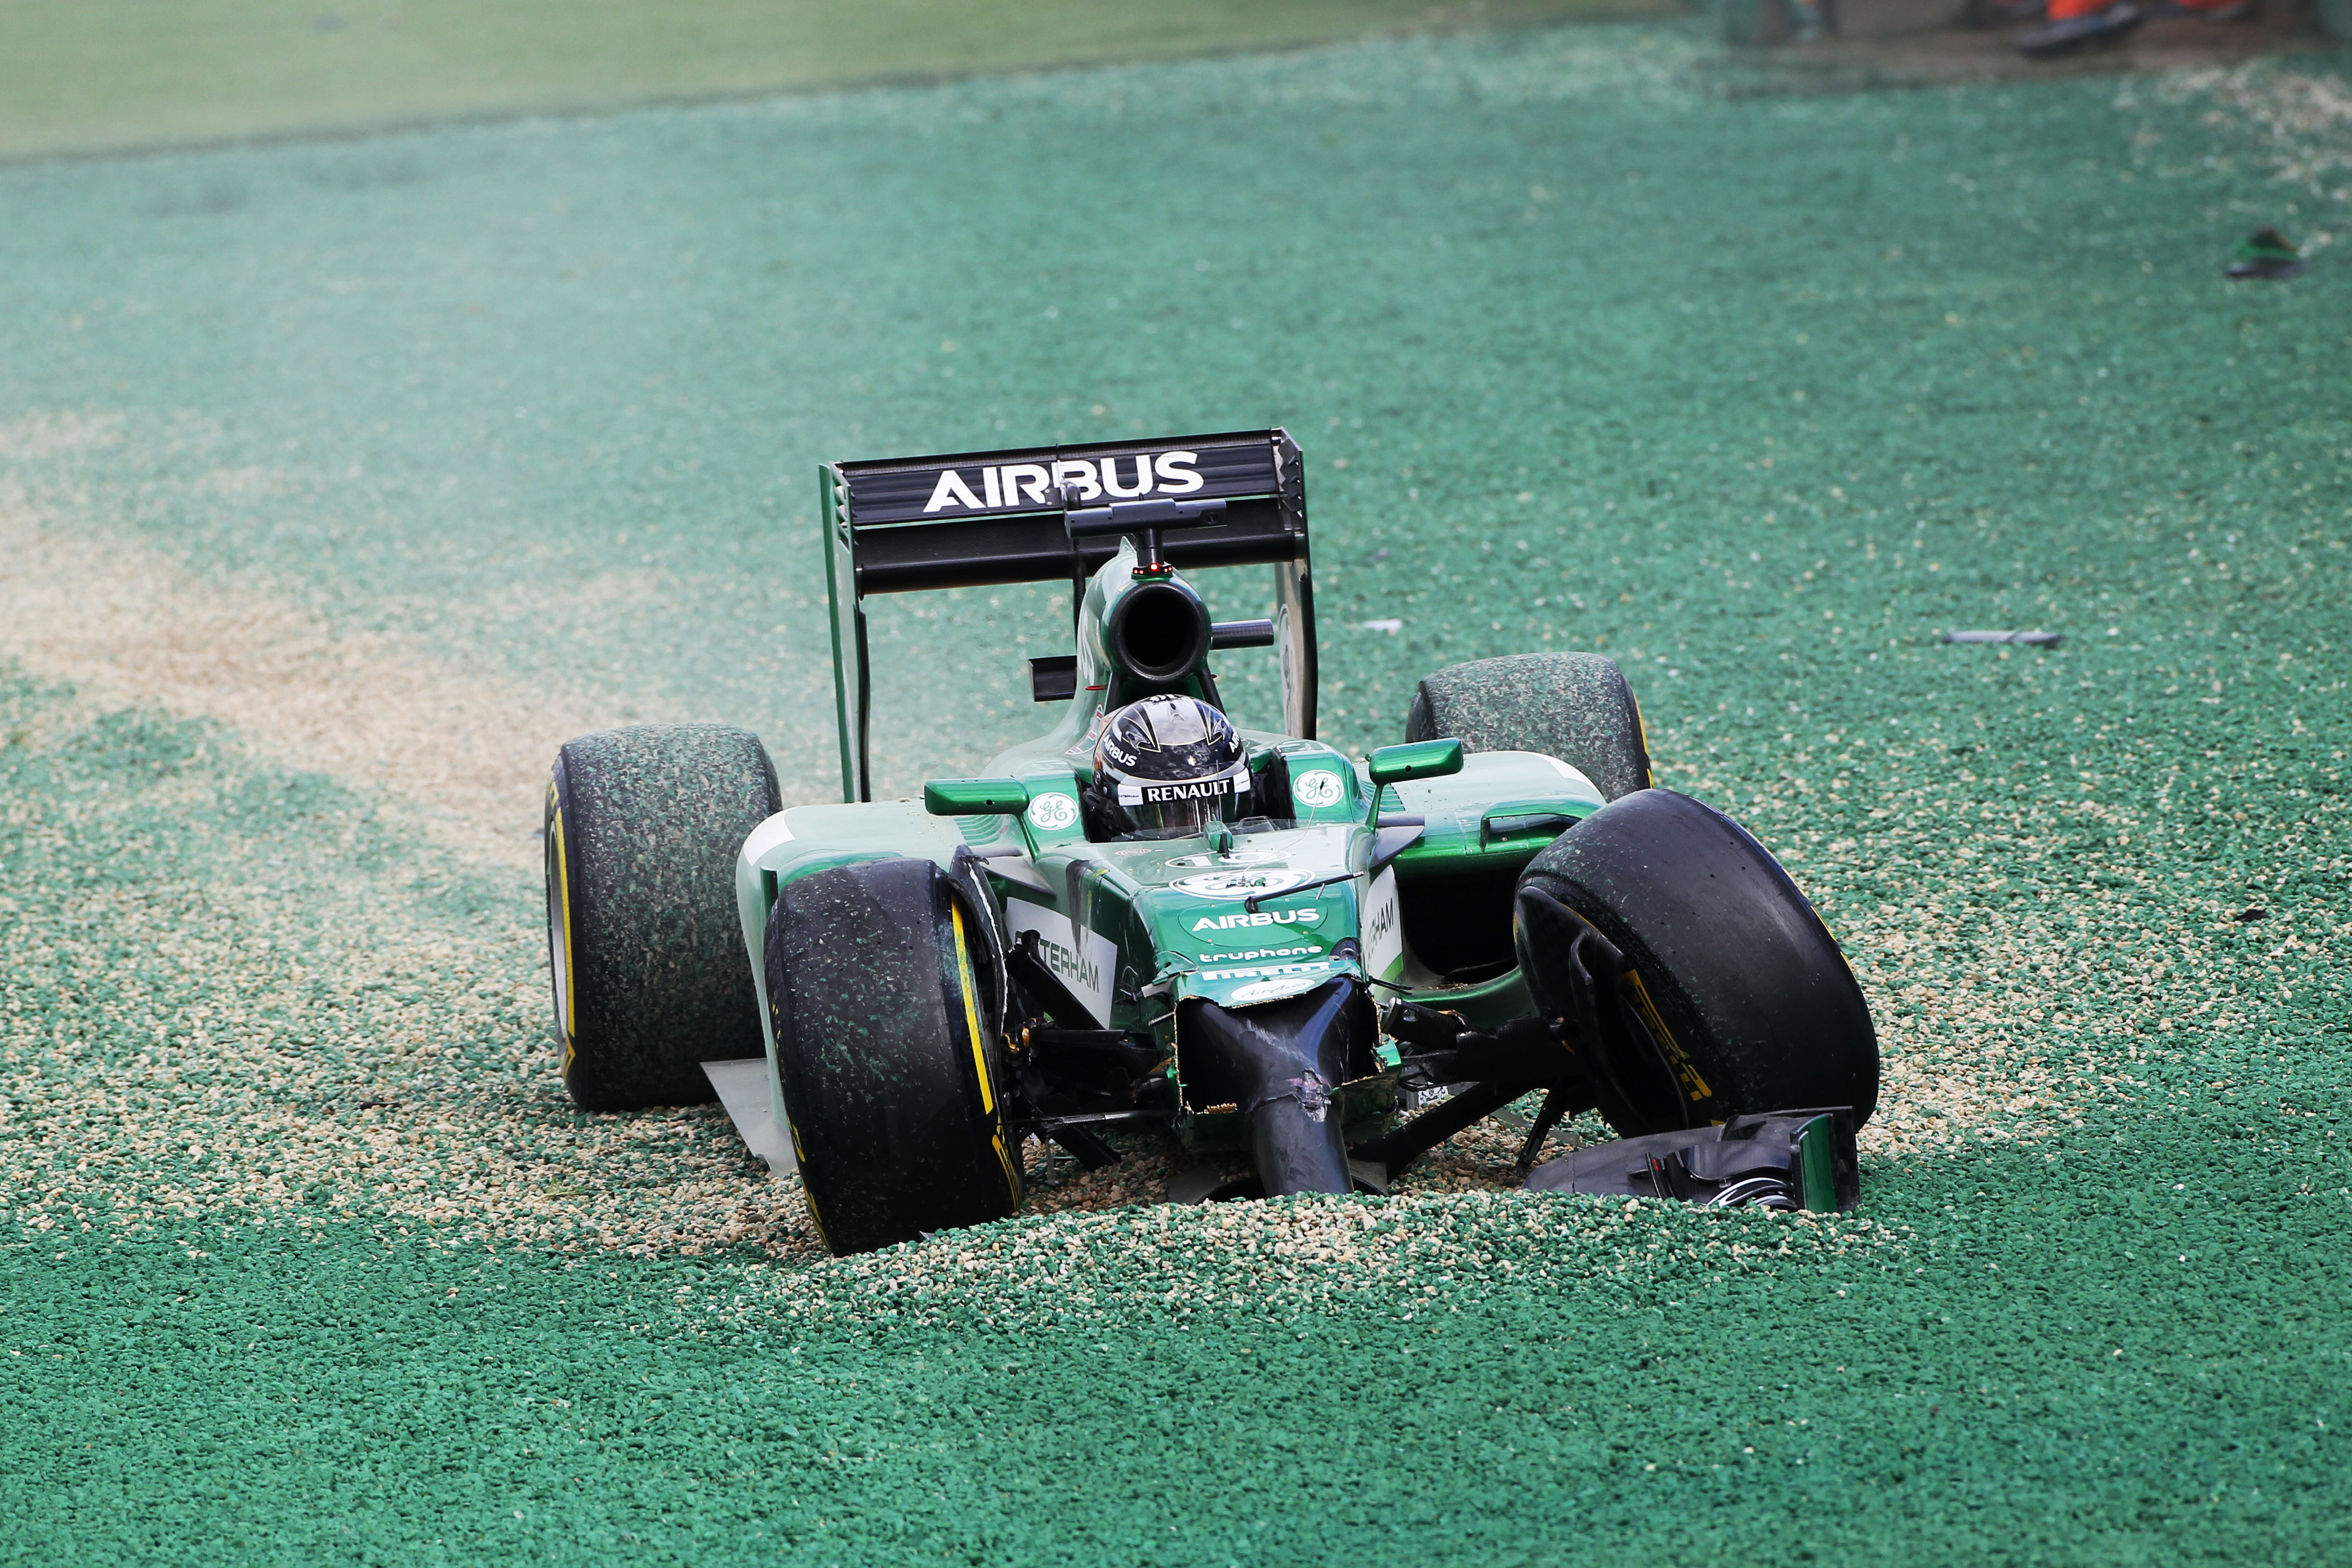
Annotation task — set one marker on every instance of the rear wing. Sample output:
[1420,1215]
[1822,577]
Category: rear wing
[978,519]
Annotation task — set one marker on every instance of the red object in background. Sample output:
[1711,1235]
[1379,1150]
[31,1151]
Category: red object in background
[2068,10]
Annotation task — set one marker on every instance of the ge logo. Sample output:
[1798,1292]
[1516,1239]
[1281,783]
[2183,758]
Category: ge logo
[1315,789]
[1052,812]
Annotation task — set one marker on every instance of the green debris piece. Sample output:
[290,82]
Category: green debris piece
[2267,253]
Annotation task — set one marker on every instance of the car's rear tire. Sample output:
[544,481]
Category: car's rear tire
[1750,1001]
[879,984]
[1574,706]
[651,978]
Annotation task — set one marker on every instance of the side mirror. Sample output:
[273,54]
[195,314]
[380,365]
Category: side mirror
[975,798]
[1414,760]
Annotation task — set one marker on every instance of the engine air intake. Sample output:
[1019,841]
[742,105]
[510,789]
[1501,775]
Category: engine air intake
[1159,632]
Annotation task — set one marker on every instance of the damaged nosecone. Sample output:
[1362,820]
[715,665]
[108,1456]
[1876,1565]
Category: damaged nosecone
[1281,1064]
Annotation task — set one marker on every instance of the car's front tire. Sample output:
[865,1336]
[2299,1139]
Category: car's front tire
[881,990]
[1748,1004]
[651,978]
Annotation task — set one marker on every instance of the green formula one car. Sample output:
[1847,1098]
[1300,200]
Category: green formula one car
[1149,919]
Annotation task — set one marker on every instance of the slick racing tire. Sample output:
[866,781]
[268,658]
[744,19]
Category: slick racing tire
[1747,1002]
[1574,706]
[651,976]
[880,976]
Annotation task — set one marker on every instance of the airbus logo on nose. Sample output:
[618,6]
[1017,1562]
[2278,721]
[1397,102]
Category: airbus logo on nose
[1001,485]
[1262,918]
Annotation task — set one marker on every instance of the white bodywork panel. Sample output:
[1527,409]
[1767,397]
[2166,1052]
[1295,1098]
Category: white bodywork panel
[743,1089]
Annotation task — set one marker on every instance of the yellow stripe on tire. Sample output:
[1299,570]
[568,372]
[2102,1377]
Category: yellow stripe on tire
[567,987]
[980,1053]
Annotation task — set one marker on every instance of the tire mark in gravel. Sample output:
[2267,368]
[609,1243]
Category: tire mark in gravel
[233,997]
[462,754]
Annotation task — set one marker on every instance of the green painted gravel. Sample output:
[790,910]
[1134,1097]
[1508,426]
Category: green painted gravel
[1633,1389]
[307,1257]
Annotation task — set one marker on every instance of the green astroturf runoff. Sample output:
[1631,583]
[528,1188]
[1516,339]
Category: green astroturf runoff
[339,480]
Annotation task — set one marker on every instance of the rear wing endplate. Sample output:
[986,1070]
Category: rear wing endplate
[978,519]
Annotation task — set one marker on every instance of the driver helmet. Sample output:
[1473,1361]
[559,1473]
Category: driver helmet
[1169,764]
